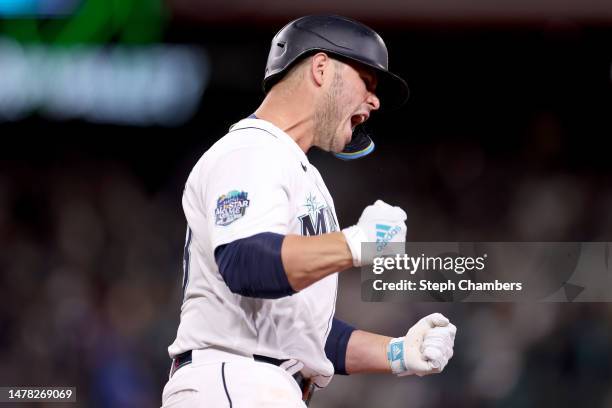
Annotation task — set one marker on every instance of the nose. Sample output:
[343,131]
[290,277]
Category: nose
[373,101]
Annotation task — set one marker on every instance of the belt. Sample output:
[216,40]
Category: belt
[305,384]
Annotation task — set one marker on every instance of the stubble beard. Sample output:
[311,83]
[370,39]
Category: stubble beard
[327,117]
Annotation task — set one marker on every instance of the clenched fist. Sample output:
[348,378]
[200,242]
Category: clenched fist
[380,223]
[425,349]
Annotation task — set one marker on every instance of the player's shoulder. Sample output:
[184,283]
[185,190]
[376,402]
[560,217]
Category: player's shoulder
[248,135]
[250,143]
[255,142]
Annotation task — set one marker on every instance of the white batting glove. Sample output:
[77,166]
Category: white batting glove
[425,349]
[380,223]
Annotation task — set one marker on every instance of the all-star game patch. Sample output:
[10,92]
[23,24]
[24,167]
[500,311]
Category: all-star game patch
[230,207]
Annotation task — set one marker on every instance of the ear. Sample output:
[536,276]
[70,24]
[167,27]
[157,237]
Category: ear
[320,68]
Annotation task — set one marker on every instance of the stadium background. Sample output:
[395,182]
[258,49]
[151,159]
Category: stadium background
[504,139]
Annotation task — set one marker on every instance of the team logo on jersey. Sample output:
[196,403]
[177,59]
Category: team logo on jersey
[230,207]
[319,218]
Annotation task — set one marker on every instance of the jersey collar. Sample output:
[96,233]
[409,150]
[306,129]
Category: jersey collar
[274,131]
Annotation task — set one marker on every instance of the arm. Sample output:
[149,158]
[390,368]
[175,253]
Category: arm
[271,265]
[424,350]
[309,259]
[367,353]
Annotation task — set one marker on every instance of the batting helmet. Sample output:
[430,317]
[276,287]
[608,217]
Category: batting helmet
[343,38]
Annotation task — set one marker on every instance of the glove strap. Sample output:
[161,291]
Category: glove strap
[354,237]
[395,355]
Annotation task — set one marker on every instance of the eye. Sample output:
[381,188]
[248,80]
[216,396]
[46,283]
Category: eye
[369,82]
[366,81]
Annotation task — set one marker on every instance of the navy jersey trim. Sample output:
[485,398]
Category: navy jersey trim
[186,261]
[225,384]
[253,127]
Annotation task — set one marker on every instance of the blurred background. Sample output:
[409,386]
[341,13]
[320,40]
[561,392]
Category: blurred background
[106,105]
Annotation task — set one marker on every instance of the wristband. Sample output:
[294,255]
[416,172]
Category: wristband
[395,355]
[354,237]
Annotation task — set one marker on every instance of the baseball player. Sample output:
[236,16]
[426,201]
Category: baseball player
[263,246]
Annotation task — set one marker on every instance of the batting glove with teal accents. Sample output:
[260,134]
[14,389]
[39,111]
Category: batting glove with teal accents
[380,223]
[426,348]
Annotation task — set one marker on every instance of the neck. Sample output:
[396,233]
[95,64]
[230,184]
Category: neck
[292,113]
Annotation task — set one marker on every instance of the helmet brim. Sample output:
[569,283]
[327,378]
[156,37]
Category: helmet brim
[392,90]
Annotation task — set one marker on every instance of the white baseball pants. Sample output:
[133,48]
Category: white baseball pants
[217,379]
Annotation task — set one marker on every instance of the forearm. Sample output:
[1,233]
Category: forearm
[309,259]
[367,353]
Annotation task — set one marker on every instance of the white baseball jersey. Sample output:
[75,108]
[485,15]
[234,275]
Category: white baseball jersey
[255,179]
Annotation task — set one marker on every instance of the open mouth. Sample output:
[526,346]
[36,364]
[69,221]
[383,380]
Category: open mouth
[358,119]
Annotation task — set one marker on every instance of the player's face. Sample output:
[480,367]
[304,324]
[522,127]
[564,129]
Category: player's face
[347,103]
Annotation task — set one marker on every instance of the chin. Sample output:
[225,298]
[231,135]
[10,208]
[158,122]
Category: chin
[342,139]
[337,148]
[345,143]
[348,140]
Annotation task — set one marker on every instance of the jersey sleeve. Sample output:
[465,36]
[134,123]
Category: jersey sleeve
[246,193]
